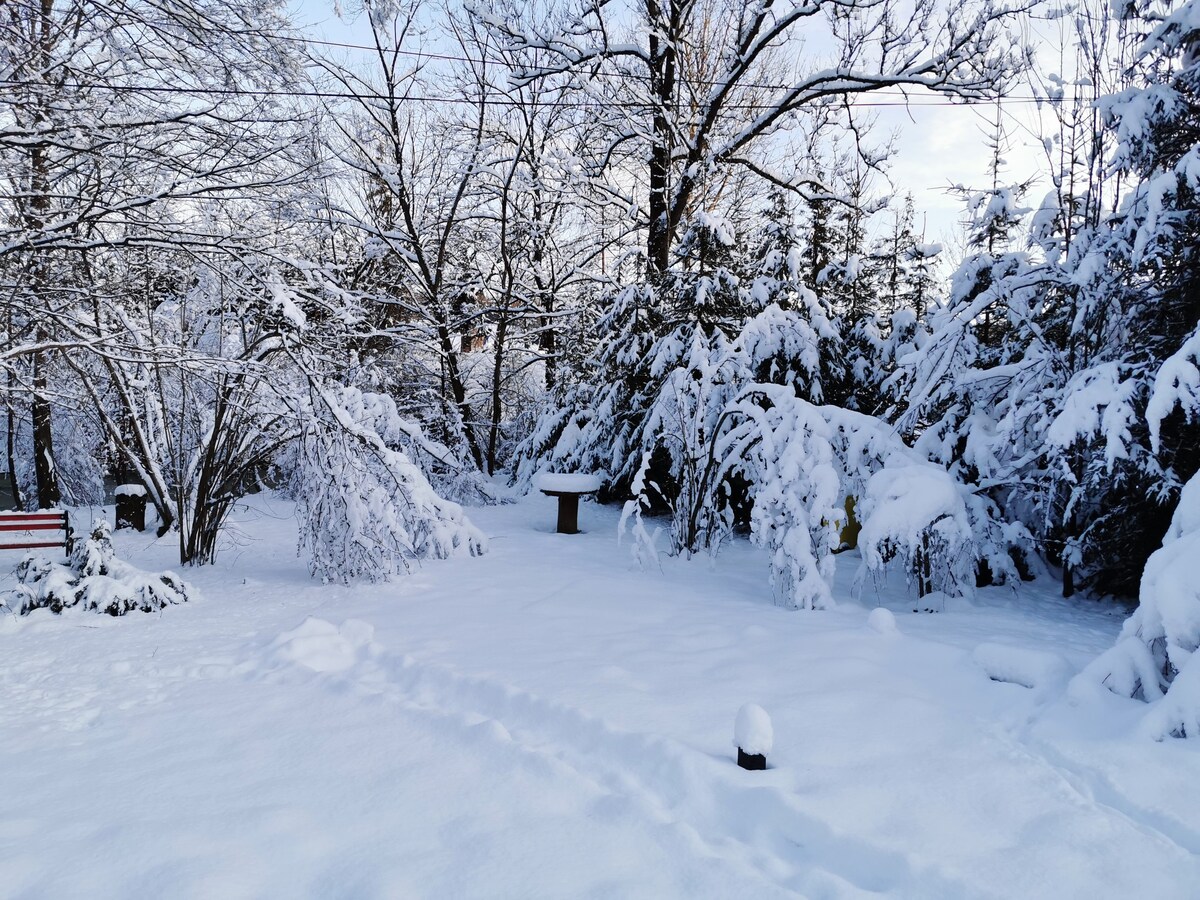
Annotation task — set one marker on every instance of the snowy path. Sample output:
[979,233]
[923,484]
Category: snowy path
[720,809]
[546,722]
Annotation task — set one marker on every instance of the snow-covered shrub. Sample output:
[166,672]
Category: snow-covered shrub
[914,513]
[366,510]
[783,447]
[1155,657]
[93,579]
[802,461]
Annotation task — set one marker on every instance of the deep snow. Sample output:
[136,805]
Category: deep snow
[547,721]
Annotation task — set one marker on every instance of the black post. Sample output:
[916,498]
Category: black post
[568,514]
[752,761]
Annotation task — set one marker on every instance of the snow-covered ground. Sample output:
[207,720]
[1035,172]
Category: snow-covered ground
[548,721]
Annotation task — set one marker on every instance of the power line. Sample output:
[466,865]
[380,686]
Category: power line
[848,95]
[450,57]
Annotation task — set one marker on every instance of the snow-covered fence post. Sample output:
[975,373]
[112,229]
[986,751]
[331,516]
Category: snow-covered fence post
[753,736]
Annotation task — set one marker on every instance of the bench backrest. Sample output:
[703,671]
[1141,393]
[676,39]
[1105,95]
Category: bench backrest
[25,531]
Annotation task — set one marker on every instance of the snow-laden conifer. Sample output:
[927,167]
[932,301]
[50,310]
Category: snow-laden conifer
[1155,658]
[802,461]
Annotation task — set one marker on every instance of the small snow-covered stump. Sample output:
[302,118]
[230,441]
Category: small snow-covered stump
[568,488]
[131,506]
[753,736]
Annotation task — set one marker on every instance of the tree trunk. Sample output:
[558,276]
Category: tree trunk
[548,341]
[48,494]
[18,502]
[662,78]
[36,219]
[458,391]
[497,404]
[10,434]
[924,566]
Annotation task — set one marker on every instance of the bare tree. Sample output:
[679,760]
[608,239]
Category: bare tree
[110,113]
[696,86]
[416,167]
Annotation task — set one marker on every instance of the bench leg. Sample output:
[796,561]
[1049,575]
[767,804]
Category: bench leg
[568,514]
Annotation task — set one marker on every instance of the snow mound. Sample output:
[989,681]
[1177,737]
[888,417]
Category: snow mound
[563,481]
[882,621]
[321,646]
[1021,665]
[752,731]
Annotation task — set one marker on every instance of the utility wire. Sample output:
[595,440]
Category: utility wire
[838,97]
[450,57]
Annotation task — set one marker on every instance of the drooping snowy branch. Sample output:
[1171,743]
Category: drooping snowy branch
[366,510]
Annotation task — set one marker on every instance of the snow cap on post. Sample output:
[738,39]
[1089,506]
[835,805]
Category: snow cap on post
[753,736]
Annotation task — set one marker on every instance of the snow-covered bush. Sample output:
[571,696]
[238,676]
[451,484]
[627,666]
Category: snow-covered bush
[1155,657]
[914,513]
[783,447]
[93,579]
[802,461]
[366,510]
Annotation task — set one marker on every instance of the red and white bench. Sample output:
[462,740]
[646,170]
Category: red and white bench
[27,531]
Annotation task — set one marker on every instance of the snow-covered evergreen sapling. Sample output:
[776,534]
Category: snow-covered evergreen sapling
[93,579]
[644,548]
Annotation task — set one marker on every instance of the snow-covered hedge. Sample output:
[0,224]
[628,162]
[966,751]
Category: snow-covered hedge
[93,579]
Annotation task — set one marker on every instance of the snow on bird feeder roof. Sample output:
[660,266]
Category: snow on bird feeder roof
[129,490]
[572,483]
